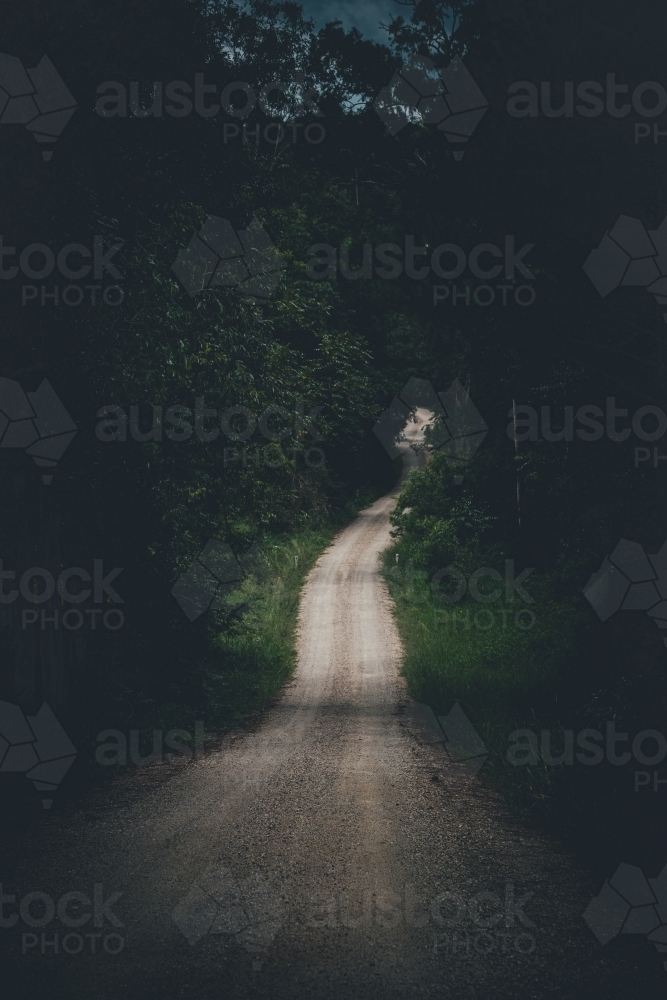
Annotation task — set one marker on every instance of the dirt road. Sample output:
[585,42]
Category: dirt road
[332,853]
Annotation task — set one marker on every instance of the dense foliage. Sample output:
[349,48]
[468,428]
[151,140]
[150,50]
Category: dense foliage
[345,346]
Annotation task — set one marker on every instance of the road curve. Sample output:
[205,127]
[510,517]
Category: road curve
[335,852]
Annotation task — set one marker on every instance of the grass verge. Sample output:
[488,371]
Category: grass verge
[554,672]
[232,676]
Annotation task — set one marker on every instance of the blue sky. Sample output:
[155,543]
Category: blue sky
[362,14]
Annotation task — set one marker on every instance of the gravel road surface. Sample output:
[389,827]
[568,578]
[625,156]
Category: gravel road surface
[336,851]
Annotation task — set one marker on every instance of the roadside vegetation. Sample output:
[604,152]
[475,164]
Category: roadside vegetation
[531,666]
[298,382]
[235,662]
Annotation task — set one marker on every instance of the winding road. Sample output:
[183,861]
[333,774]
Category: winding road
[335,852]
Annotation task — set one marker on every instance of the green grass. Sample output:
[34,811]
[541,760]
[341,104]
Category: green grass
[507,678]
[225,668]
[553,676]
[233,674]
[260,653]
